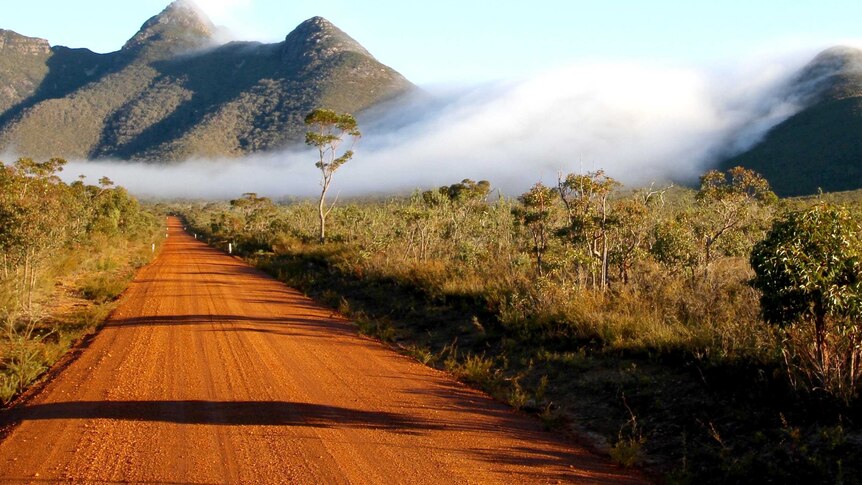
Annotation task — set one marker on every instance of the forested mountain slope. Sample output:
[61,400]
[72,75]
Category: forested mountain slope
[171,93]
[820,147]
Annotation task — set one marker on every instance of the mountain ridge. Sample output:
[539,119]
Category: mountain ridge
[172,93]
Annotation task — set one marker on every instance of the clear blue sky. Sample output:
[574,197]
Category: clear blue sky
[454,41]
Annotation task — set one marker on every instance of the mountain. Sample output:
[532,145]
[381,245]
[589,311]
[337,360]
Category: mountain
[172,93]
[820,147]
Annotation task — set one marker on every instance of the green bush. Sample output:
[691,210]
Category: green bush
[104,287]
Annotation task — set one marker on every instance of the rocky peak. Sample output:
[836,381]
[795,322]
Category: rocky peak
[13,42]
[182,25]
[318,39]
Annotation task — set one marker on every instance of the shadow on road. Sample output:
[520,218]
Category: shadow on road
[238,413]
[536,462]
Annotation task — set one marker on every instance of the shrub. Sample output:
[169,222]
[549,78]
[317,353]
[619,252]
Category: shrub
[809,273]
[104,287]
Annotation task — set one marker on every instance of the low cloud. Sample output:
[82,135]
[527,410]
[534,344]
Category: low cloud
[639,122]
[221,10]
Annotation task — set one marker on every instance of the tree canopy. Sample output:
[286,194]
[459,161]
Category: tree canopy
[328,131]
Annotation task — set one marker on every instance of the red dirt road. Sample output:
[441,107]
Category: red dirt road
[211,372]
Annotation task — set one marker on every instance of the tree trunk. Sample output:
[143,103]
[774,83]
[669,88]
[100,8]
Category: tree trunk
[604,243]
[604,260]
[321,206]
[322,213]
[538,252]
[708,256]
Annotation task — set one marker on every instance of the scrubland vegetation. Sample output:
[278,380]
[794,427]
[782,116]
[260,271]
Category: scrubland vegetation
[633,318]
[67,251]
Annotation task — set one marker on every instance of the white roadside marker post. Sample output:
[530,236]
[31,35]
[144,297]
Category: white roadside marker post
[230,248]
[154,248]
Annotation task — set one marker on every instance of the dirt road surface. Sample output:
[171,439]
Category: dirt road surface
[211,372]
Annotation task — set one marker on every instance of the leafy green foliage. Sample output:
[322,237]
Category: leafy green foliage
[536,215]
[465,191]
[258,219]
[328,130]
[586,197]
[809,272]
[809,267]
[731,204]
[51,230]
[675,245]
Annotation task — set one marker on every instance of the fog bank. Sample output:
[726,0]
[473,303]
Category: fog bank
[637,121]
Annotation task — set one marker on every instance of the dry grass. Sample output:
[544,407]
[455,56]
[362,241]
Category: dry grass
[457,287]
[77,293]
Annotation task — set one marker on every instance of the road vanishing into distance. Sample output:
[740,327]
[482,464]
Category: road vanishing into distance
[210,371]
